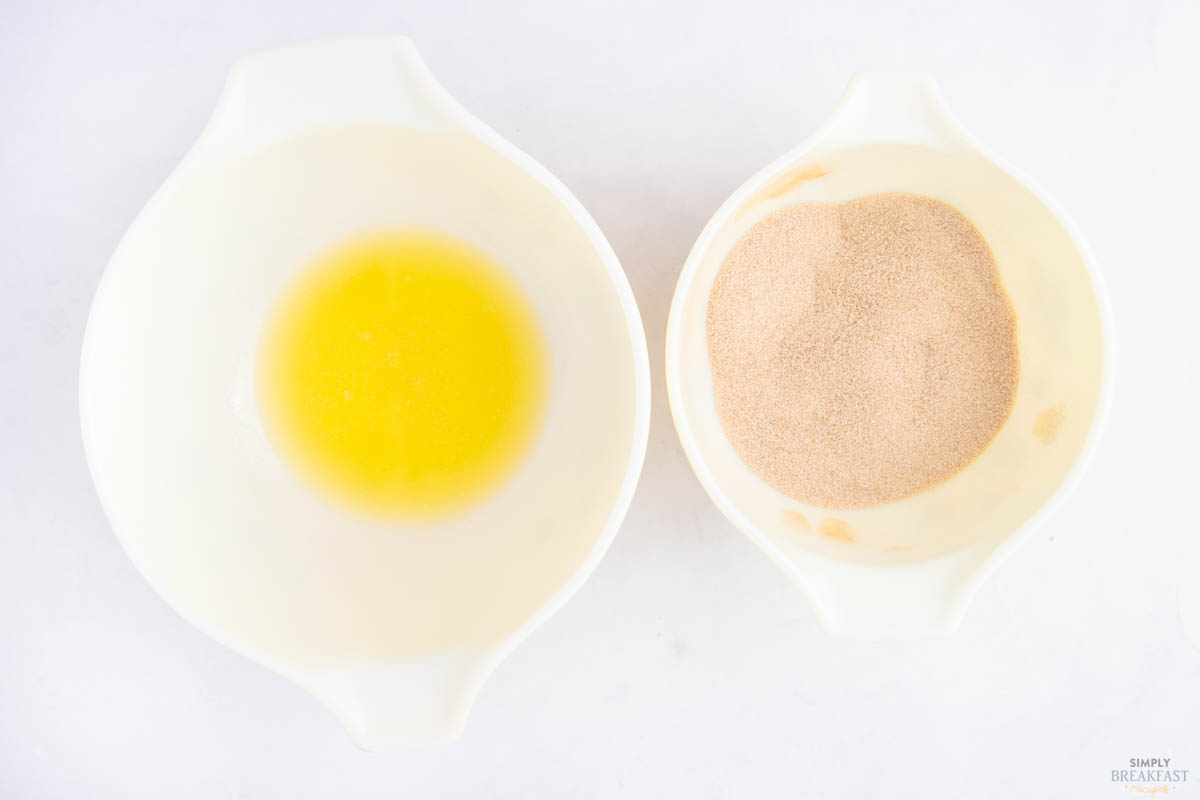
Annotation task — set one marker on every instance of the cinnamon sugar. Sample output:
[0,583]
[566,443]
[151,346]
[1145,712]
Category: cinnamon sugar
[861,352]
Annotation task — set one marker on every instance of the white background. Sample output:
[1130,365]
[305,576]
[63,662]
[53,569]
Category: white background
[687,666]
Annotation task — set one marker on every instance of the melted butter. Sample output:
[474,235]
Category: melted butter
[404,374]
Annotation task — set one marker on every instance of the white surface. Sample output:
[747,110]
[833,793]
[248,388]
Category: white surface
[687,666]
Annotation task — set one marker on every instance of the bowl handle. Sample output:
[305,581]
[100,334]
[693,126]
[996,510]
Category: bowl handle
[399,705]
[904,602]
[891,105]
[350,80]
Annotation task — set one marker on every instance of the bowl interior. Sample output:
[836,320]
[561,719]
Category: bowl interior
[224,529]
[1060,340]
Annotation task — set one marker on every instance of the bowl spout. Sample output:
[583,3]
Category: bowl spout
[399,705]
[892,106]
[353,80]
[877,602]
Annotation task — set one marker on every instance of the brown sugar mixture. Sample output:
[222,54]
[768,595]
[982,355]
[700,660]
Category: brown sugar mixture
[861,352]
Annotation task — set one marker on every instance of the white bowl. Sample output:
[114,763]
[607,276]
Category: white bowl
[393,626]
[913,563]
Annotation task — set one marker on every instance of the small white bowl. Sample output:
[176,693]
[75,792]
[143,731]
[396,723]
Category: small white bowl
[394,627]
[913,564]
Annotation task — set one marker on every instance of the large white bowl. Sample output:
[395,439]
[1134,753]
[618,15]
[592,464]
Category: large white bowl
[393,626]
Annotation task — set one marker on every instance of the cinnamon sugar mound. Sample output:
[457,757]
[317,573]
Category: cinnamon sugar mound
[861,352]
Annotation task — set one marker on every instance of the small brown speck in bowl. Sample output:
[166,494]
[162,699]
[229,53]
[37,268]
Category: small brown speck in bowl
[833,528]
[1048,424]
[784,184]
[798,520]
